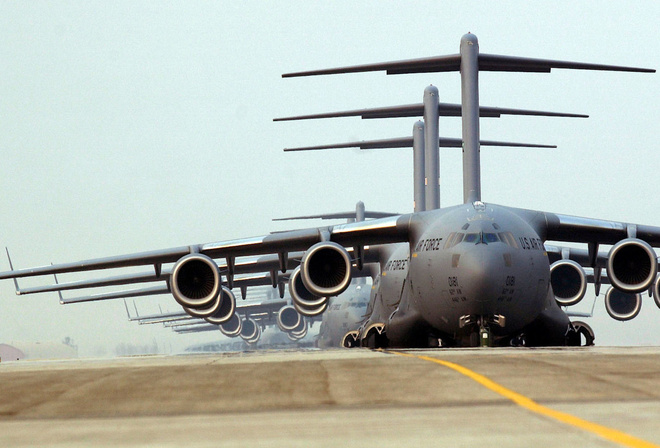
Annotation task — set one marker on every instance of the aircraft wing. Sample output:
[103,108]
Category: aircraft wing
[378,231]
[631,263]
[557,227]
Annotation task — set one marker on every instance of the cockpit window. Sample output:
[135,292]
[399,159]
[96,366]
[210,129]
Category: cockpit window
[471,238]
[507,237]
[453,239]
[490,238]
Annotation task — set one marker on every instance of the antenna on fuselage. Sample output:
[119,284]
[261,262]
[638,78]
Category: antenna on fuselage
[469,62]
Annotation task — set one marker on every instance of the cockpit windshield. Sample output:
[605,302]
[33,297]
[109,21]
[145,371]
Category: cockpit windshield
[455,238]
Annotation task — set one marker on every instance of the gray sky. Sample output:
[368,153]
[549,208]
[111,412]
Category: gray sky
[128,126]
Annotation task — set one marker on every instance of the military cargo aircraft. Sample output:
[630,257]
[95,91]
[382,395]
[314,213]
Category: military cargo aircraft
[475,270]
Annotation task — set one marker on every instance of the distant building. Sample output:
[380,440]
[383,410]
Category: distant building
[38,350]
[10,353]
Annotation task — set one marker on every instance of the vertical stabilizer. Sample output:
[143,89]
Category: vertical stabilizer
[469,51]
[431,149]
[419,189]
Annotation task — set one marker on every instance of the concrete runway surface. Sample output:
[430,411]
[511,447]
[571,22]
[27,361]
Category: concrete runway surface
[333,398]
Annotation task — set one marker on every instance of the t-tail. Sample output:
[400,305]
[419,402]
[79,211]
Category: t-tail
[469,62]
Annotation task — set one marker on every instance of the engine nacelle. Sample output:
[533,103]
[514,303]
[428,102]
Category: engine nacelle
[656,291]
[232,327]
[569,282]
[195,281]
[288,319]
[632,265]
[250,331]
[326,269]
[299,334]
[621,305]
[311,311]
[300,294]
[210,310]
[226,309]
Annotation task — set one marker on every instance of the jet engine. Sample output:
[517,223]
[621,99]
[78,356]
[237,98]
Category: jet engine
[326,269]
[311,311]
[656,291]
[227,307]
[299,333]
[569,282]
[250,331]
[288,319]
[232,327]
[195,281]
[621,305]
[305,302]
[632,265]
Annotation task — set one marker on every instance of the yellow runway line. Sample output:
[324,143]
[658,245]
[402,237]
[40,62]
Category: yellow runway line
[610,434]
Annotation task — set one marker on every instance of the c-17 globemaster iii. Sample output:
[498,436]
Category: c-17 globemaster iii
[473,269]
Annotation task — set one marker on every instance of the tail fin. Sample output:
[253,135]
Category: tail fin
[470,62]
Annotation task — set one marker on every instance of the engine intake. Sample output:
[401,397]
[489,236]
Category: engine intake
[288,319]
[250,331]
[301,294]
[226,309]
[569,282]
[195,281]
[326,269]
[632,265]
[621,305]
[232,327]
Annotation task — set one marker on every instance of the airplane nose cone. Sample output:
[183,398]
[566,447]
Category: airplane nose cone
[483,272]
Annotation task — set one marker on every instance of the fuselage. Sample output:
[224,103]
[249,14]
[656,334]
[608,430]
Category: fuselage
[466,267]
[345,313]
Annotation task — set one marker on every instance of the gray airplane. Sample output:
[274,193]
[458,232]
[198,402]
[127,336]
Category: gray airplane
[475,270]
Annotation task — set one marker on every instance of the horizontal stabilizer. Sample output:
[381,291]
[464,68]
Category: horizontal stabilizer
[340,215]
[417,110]
[407,142]
[452,63]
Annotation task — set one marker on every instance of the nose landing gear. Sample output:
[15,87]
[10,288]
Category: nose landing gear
[482,331]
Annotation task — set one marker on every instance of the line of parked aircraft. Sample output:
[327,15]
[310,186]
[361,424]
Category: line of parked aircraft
[470,274]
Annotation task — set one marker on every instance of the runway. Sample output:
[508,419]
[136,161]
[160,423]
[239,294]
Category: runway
[333,398]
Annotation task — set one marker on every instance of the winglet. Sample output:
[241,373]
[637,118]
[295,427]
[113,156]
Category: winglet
[128,313]
[59,292]
[11,267]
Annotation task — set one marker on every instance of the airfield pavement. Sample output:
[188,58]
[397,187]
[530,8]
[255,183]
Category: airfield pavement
[336,398]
